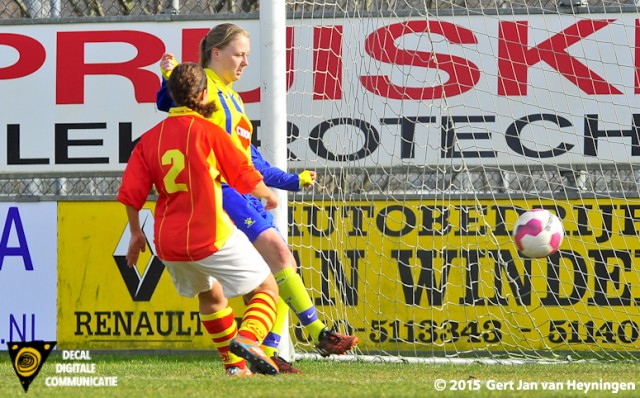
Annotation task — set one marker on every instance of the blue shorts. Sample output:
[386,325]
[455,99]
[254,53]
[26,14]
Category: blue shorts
[247,212]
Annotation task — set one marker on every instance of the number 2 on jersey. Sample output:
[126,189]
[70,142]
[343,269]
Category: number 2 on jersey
[176,159]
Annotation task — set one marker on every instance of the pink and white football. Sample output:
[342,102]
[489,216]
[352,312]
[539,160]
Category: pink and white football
[538,233]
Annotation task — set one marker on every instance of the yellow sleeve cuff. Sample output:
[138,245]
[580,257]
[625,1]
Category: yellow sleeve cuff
[305,179]
[167,74]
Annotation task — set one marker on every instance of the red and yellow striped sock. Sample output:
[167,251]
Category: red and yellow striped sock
[222,327]
[258,317]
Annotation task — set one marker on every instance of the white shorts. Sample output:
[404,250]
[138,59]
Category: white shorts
[237,266]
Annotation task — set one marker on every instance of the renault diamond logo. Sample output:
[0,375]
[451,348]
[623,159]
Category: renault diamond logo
[141,287]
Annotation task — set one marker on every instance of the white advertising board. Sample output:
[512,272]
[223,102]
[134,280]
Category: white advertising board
[507,90]
[28,272]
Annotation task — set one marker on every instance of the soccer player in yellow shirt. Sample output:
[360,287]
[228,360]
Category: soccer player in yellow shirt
[224,53]
[184,157]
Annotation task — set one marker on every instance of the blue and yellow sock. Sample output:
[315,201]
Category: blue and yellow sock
[271,342]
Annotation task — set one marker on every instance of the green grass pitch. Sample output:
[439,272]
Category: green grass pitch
[200,375]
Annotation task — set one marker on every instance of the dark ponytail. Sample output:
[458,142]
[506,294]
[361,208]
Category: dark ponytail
[186,83]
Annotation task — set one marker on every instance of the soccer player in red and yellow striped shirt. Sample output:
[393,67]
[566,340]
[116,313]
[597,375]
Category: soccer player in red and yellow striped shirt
[184,157]
[224,53]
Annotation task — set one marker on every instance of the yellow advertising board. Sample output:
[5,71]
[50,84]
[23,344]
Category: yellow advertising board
[428,275]
[100,304]
[445,274]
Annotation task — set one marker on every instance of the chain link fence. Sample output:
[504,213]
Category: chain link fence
[102,8]
[410,182]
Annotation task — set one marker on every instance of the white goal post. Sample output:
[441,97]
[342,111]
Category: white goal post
[273,113]
[430,135]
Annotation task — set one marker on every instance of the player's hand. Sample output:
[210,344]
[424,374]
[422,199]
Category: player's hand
[307,178]
[167,63]
[137,244]
[271,201]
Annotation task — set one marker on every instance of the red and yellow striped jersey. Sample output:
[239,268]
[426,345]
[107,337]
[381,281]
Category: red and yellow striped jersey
[185,156]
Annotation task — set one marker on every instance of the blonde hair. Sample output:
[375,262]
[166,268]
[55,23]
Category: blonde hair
[218,37]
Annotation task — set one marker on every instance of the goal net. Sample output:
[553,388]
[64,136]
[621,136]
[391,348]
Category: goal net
[431,130]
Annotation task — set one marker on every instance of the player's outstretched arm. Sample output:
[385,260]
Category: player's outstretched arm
[137,242]
[136,183]
[167,63]
[277,178]
[261,191]
[164,102]
[236,168]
